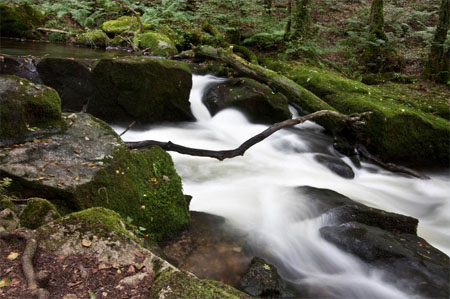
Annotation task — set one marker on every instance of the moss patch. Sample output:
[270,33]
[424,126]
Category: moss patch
[94,39]
[156,43]
[171,284]
[120,25]
[38,212]
[144,186]
[396,131]
[19,21]
[26,107]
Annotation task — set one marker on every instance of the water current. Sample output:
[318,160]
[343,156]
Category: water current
[255,193]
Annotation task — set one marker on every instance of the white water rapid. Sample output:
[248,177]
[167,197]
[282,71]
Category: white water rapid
[255,194]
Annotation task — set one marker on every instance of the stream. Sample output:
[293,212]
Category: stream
[255,194]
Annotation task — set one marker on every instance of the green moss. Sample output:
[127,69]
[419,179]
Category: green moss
[118,41]
[6,203]
[180,284]
[38,212]
[19,21]
[144,186]
[396,132]
[156,43]
[120,25]
[249,55]
[94,38]
[25,105]
[58,36]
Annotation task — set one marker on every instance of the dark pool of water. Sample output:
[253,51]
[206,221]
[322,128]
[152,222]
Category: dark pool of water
[19,48]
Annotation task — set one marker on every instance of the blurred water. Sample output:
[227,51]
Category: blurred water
[255,194]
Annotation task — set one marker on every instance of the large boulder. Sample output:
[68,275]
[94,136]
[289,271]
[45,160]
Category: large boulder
[256,100]
[157,44]
[27,110]
[93,39]
[97,243]
[19,20]
[20,66]
[89,166]
[341,209]
[142,89]
[72,78]
[408,260]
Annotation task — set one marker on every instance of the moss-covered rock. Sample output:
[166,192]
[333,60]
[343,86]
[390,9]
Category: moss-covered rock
[27,110]
[120,25]
[157,44]
[257,100]
[395,131]
[142,89]
[6,203]
[72,78]
[19,20]
[94,39]
[144,186]
[37,213]
[179,284]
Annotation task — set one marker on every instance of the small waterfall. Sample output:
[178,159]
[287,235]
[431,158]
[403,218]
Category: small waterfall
[255,194]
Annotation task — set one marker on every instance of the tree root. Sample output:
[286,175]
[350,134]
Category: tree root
[27,261]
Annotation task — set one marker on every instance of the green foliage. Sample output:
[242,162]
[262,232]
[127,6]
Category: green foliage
[4,184]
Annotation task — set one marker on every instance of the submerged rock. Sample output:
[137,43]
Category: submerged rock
[341,209]
[336,165]
[72,78]
[141,89]
[27,110]
[256,100]
[89,166]
[207,249]
[261,280]
[408,260]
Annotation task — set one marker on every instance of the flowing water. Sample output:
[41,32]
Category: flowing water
[255,193]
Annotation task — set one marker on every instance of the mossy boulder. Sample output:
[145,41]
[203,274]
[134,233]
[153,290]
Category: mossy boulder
[257,100]
[157,44]
[122,24]
[395,131]
[179,284]
[27,110]
[38,212]
[72,78]
[142,89]
[94,39]
[89,166]
[19,20]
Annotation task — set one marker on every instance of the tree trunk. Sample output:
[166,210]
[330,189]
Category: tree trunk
[377,19]
[268,6]
[438,67]
[287,31]
[302,21]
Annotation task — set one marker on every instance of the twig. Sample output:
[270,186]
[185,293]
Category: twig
[129,127]
[27,261]
[53,30]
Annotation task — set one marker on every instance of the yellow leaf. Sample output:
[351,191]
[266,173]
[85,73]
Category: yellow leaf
[86,243]
[12,256]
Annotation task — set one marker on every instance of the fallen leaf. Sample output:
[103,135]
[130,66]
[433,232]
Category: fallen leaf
[86,243]
[76,151]
[4,282]
[86,138]
[12,256]
[77,178]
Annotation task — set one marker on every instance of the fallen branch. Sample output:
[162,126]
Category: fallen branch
[362,150]
[53,30]
[27,261]
[129,127]
[239,151]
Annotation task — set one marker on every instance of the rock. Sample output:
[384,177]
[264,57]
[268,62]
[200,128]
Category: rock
[132,280]
[8,220]
[157,44]
[342,209]
[38,212]
[89,166]
[72,78]
[261,280]
[121,25]
[94,39]
[408,260]
[23,67]
[141,89]
[257,100]
[336,165]
[207,249]
[27,110]
[19,20]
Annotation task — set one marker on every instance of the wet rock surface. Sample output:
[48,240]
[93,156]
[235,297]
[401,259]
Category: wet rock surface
[341,209]
[261,280]
[208,250]
[256,100]
[408,260]
[336,165]
[23,67]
